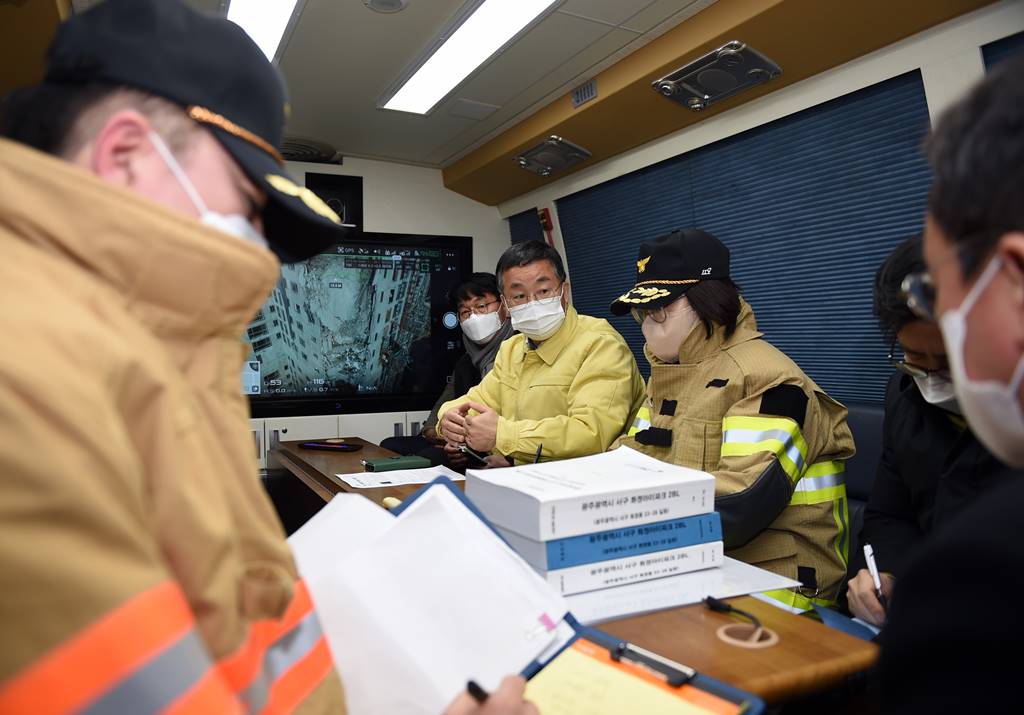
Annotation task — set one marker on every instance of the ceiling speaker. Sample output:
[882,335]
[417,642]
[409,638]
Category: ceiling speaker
[720,74]
[552,155]
[386,6]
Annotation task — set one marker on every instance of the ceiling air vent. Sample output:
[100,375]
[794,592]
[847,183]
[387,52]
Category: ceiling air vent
[311,150]
[732,68]
[551,155]
[584,93]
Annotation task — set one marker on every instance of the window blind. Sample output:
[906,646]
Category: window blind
[809,206]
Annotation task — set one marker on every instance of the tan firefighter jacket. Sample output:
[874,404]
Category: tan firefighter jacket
[739,408]
[142,566]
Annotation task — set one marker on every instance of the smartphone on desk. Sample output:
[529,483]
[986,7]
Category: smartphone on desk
[329,445]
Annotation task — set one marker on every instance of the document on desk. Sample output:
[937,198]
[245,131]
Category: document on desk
[398,477]
[584,680]
[413,606]
[733,578]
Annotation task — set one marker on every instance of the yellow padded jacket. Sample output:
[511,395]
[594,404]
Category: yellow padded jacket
[574,394]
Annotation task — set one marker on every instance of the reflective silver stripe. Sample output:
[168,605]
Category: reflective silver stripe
[159,682]
[286,651]
[813,484]
[749,436]
[641,424]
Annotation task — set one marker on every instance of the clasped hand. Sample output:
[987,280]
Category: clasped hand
[478,431]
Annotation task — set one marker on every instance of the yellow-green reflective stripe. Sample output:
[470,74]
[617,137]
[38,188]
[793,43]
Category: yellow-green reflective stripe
[841,514]
[820,469]
[797,600]
[743,436]
[641,422]
[819,496]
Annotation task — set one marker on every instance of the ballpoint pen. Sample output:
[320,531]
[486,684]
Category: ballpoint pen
[869,557]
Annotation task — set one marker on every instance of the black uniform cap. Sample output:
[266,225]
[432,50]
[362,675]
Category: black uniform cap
[670,265]
[221,79]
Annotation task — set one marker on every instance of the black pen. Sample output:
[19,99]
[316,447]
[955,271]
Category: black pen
[539,448]
[476,692]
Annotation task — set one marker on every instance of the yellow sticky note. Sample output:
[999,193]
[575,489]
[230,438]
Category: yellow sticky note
[584,679]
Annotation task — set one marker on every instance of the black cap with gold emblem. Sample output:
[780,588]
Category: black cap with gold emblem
[221,79]
[670,265]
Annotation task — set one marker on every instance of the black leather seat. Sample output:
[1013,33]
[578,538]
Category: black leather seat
[866,425]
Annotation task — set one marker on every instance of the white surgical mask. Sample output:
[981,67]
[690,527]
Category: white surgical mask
[235,225]
[539,319]
[938,390]
[664,340]
[481,328]
[991,407]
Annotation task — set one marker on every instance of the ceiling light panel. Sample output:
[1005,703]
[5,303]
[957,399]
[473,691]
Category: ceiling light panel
[491,26]
[266,21]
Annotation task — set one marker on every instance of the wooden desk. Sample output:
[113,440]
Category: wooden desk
[809,658]
[316,469]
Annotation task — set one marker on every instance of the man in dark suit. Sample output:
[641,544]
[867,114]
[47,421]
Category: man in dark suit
[955,620]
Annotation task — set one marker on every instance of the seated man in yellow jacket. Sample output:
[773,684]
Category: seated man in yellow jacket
[723,400]
[566,386]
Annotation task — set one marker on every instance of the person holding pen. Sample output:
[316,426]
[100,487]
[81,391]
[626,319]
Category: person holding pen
[954,621]
[932,465]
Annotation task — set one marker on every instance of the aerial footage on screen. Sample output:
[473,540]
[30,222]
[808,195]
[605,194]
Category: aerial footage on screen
[362,320]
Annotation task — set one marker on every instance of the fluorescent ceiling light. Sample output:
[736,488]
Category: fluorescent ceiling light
[263,20]
[482,34]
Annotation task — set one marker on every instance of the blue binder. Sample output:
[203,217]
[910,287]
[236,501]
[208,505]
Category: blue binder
[752,705]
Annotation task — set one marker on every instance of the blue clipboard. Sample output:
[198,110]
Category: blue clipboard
[752,705]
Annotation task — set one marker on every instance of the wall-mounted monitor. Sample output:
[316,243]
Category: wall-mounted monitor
[367,327]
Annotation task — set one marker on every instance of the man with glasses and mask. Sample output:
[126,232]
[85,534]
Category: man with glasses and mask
[932,466]
[485,325]
[567,386]
[723,400]
[955,622]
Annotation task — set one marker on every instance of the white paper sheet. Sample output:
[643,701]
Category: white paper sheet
[415,608]
[398,477]
[733,578]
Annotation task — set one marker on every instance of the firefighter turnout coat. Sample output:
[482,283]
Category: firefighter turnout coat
[739,408]
[142,566]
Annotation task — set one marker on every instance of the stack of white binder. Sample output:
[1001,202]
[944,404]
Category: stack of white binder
[606,520]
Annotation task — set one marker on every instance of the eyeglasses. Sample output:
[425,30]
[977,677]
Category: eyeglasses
[918,288]
[909,369]
[658,315]
[522,298]
[919,292]
[481,308]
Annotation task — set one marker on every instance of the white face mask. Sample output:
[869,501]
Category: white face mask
[481,328]
[664,340]
[235,225]
[991,407]
[938,390]
[539,319]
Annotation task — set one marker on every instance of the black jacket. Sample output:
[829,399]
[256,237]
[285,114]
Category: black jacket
[952,640]
[464,376]
[932,468]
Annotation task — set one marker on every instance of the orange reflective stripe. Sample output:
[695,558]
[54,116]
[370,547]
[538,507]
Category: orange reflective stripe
[209,695]
[242,667]
[296,684]
[90,662]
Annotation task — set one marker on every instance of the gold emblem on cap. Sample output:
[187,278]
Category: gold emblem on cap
[641,265]
[313,202]
[205,116]
[644,295]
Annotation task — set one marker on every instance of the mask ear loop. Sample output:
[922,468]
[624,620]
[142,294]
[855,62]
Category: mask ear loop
[165,153]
